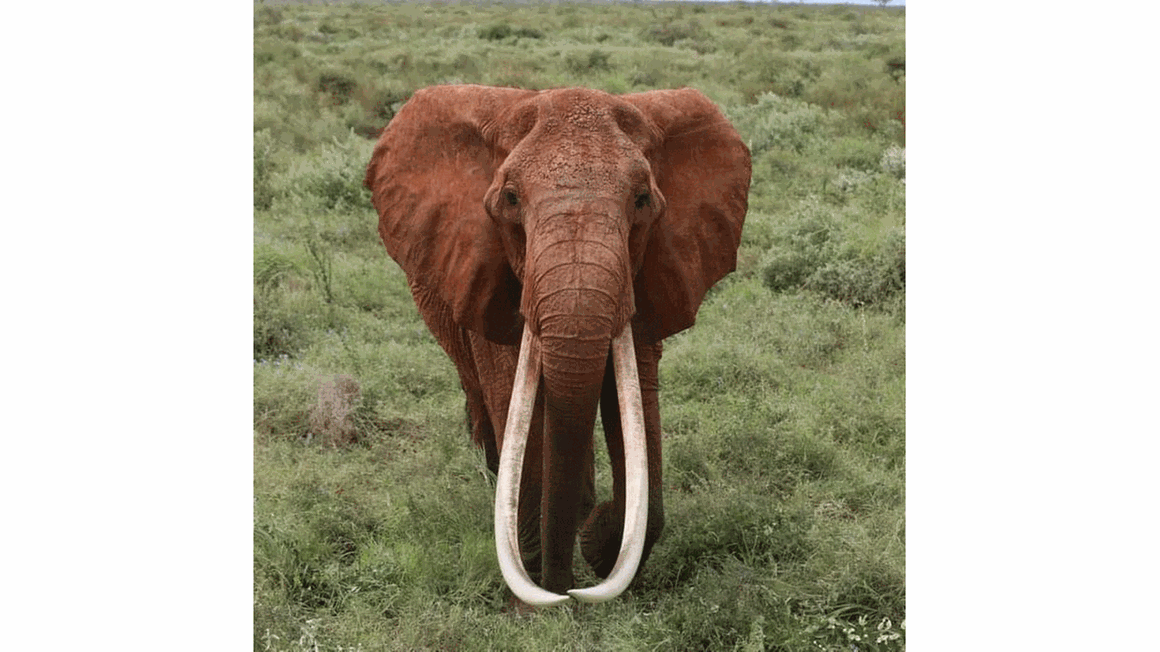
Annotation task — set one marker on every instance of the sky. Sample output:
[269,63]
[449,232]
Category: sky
[893,3]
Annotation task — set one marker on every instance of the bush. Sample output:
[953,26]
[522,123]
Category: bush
[862,90]
[281,326]
[858,153]
[581,62]
[275,51]
[850,180]
[896,66]
[814,252]
[267,15]
[893,162]
[778,68]
[333,416]
[778,122]
[263,192]
[333,176]
[866,279]
[500,31]
[271,268]
[800,248]
[688,34]
[338,86]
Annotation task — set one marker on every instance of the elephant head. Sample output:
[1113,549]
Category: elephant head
[569,222]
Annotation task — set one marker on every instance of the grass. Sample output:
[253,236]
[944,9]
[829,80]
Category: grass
[783,408]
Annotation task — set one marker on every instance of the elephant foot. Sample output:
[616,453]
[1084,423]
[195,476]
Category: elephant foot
[600,539]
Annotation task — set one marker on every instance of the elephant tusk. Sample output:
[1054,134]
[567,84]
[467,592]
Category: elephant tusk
[636,474]
[511,463]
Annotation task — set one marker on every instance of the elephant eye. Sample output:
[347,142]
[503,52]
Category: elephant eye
[643,199]
[510,197]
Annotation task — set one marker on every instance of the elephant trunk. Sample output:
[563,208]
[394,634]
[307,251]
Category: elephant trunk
[578,283]
[573,374]
[579,294]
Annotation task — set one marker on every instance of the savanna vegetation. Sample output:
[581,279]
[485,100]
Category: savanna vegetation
[783,408]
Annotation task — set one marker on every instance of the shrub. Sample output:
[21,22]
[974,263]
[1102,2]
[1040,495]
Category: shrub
[332,176]
[896,66]
[263,192]
[784,270]
[332,417]
[267,15]
[500,31]
[495,32]
[862,90]
[859,153]
[688,33]
[850,180]
[275,51]
[893,161]
[271,269]
[377,107]
[642,78]
[775,66]
[279,328]
[864,279]
[338,86]
[581,62]
[801,247]
[814,252]
[778,122]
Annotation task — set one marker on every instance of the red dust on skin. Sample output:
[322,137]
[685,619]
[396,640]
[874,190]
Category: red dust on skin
[578,213]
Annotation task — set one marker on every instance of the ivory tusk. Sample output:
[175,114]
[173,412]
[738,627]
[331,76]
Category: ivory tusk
[507,491]
[636,473]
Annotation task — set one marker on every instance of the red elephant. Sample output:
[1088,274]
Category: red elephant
[551,240]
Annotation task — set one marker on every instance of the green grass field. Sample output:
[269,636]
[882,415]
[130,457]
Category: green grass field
[783,408]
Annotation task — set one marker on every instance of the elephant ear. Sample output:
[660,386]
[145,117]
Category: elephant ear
[428,175]
[702,168]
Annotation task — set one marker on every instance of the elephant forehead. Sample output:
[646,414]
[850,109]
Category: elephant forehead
[576,161]
[586,115]
[574,157]
[577,142]
[579,107]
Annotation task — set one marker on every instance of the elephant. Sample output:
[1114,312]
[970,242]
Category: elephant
[551,240]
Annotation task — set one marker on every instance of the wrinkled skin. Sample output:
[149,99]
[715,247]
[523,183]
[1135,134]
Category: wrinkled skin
[577,213]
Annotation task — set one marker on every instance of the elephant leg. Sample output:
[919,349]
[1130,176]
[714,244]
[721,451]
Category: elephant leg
[601,532]
[460,347]
[588,486]
[600,536]
[496,367]
[479,423]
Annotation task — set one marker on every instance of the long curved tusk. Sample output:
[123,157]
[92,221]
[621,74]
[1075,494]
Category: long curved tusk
[636,474]
[507,491]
